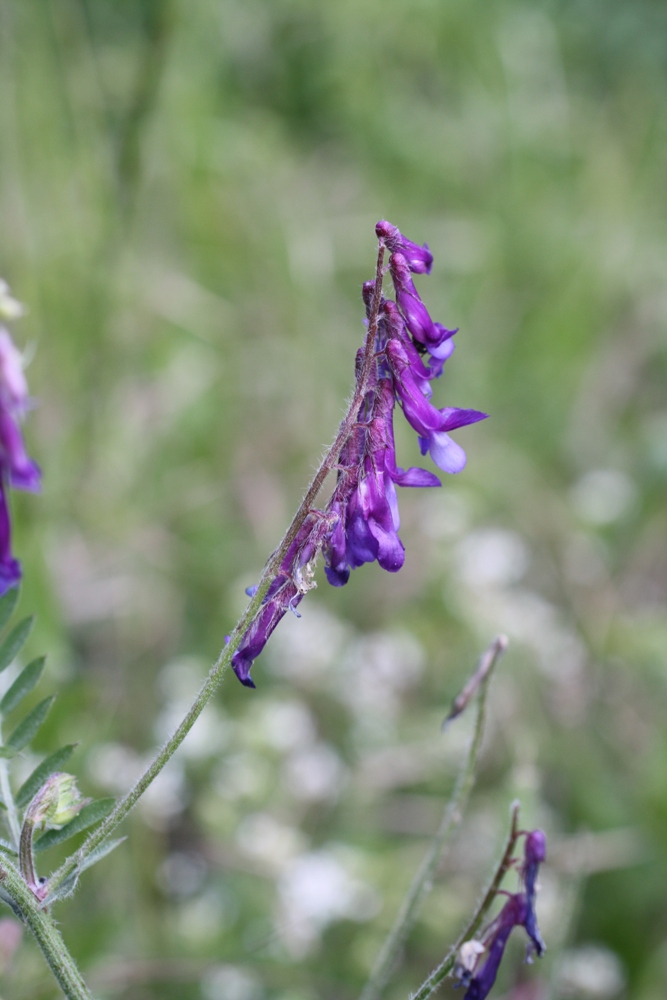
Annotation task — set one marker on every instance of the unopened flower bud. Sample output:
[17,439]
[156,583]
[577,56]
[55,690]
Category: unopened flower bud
[56,803]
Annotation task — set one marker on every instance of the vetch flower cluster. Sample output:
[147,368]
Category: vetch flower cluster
[479,973]
[17,470]
[405,351]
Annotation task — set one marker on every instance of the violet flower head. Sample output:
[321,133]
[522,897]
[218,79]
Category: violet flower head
[360,522]
[479,961]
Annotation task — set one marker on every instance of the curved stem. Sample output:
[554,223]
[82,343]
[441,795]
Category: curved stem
[423,879]
[46,934]
[124,805]
[434,981]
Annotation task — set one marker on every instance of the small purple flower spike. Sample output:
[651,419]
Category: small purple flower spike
[478,974]
[419,259]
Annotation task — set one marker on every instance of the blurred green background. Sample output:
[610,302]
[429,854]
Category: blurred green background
[188,194]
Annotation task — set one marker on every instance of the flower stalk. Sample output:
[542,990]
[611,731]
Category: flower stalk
[45,932]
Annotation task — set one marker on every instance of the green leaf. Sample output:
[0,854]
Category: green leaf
[69,885]
[27,728]
[7,605]
[43,771]
[14,641]
[23,685]
[88,816]
[8,752]
[7,847]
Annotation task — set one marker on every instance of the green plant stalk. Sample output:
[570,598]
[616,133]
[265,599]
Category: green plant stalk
[434,981]
[328,464]
[422,882]
[46,933]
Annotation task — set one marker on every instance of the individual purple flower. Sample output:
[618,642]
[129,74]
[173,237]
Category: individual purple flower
[10,568]
[21,472]
[417,318]
[373,521]
[430,423]
[419,259]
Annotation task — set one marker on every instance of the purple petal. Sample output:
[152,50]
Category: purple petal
[447,454]
[453,418]
[415,476]
[24,474]
[391,551]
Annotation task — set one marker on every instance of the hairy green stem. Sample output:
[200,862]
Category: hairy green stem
[434,981]
[421,883]
[73,864]
[46,933]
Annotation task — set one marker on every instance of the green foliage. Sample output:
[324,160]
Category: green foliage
[27,728]
[8,602]
[14,642]
[23,685]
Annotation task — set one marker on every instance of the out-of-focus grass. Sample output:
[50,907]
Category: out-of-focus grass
[188,195]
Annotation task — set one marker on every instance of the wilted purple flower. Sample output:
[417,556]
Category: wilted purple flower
[419,259]
[519,911]
[287,589]
[535,853]
[513,914]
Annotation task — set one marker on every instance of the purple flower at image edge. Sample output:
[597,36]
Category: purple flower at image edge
[17,469]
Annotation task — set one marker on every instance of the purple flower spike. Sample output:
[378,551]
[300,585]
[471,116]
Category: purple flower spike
[360,523]
[419,259]
[10,568]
